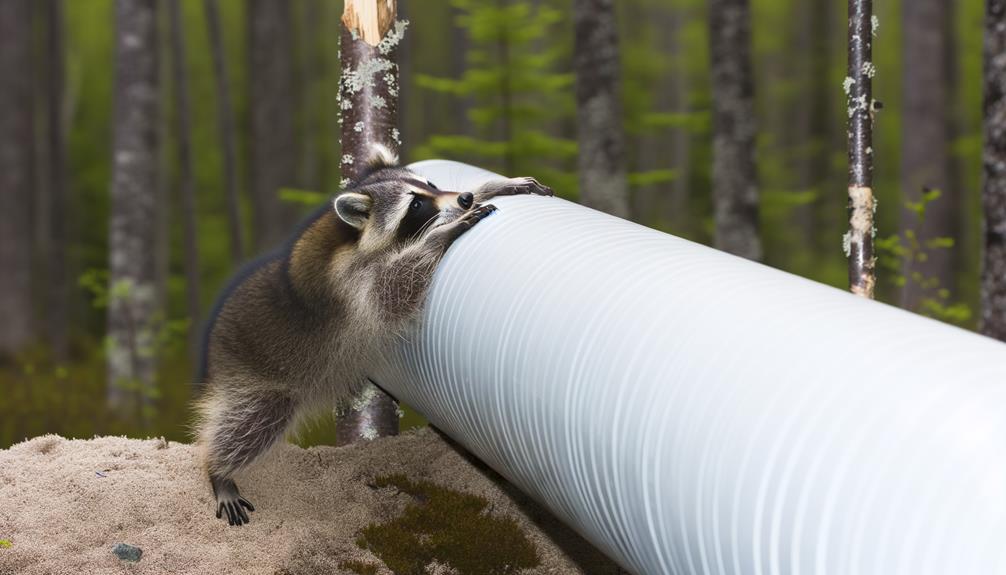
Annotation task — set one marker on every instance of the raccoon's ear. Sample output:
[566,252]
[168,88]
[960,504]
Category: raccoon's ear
[381,157]
[353,208]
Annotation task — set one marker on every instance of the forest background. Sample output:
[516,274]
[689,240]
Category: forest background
[454,57]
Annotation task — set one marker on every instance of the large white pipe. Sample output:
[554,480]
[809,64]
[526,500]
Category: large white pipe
[689,412]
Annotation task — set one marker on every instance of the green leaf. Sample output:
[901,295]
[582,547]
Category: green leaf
[6,543]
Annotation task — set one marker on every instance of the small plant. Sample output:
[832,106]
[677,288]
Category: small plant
[905,250]
[5,544]
[450,528]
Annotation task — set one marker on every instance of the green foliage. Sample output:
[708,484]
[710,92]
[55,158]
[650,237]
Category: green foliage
[5,544]
[43,395]
[899,252]
[448,527]
[512,82]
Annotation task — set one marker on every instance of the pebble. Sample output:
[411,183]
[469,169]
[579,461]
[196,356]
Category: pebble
[127,552]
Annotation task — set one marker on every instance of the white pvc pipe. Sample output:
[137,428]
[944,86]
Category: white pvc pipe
[688,411]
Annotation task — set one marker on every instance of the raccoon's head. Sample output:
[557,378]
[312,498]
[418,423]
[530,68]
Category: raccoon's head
[392,206]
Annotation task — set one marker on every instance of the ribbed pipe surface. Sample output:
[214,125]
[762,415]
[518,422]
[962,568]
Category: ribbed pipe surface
[689,412]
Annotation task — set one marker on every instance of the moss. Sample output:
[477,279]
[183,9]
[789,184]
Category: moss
[359,567]
[448,527]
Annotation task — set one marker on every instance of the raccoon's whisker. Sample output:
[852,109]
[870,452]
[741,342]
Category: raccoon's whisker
[423,229]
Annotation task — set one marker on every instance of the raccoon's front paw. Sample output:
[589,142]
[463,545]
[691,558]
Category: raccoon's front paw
[229,501]
[476,215]
[527,185]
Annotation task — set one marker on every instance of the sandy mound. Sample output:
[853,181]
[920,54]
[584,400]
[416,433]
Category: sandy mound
[65,503]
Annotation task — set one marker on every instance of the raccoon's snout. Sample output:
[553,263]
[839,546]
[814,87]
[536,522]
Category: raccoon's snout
[466,200]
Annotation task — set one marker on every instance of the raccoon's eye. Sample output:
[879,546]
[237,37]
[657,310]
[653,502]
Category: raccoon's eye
[416,204]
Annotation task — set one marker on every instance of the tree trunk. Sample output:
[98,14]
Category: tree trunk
[811,130]
[132,229]
[603,183]
[859,87]
[505,94]
[368,94]
[925,143]
[225,122]
[16,186]
[993,290]
[735,186]
[57,292]
[186,176]
[273,107]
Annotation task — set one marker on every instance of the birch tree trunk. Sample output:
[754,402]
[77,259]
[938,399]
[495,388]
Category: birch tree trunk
[603,183]
[993,289]
[273,147]
[858,241]
[132,230]
[368,95]
[16,145]
[186,176]
[735,186]
[925,142]
[225,123]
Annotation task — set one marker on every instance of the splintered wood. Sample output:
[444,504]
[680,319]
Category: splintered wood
[369,19]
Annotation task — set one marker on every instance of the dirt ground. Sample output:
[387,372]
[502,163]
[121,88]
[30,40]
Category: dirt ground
[65,503]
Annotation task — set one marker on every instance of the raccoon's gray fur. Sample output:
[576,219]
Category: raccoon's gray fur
[298,328]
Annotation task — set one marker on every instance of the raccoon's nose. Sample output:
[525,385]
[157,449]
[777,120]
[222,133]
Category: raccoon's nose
[465,200]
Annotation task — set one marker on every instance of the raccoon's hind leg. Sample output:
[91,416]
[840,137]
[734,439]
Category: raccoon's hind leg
[237,425]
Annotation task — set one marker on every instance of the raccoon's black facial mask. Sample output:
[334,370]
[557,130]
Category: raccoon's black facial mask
[420,214]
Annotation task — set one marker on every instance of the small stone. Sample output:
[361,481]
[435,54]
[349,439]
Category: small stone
[127,552]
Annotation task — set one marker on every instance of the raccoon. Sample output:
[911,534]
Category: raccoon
[298,328]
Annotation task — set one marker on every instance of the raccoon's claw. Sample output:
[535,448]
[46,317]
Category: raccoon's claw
[229,501]
[477,215]
[529,185]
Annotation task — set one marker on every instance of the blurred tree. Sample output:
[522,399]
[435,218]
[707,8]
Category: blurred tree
[735,186]
[57,291]
[603,183]
[925,159]
[272,138]
[993,289]
[16,146]
[225,120]
[368,97]
[859,87]
[186,176]
[131,289]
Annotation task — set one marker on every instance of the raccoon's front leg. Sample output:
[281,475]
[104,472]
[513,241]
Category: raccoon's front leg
[402,283]
[511,187]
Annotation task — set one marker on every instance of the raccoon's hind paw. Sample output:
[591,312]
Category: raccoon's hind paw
[528,185]
[229,501]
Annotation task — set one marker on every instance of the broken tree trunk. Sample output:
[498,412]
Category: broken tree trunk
[368,96]
[859,87]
